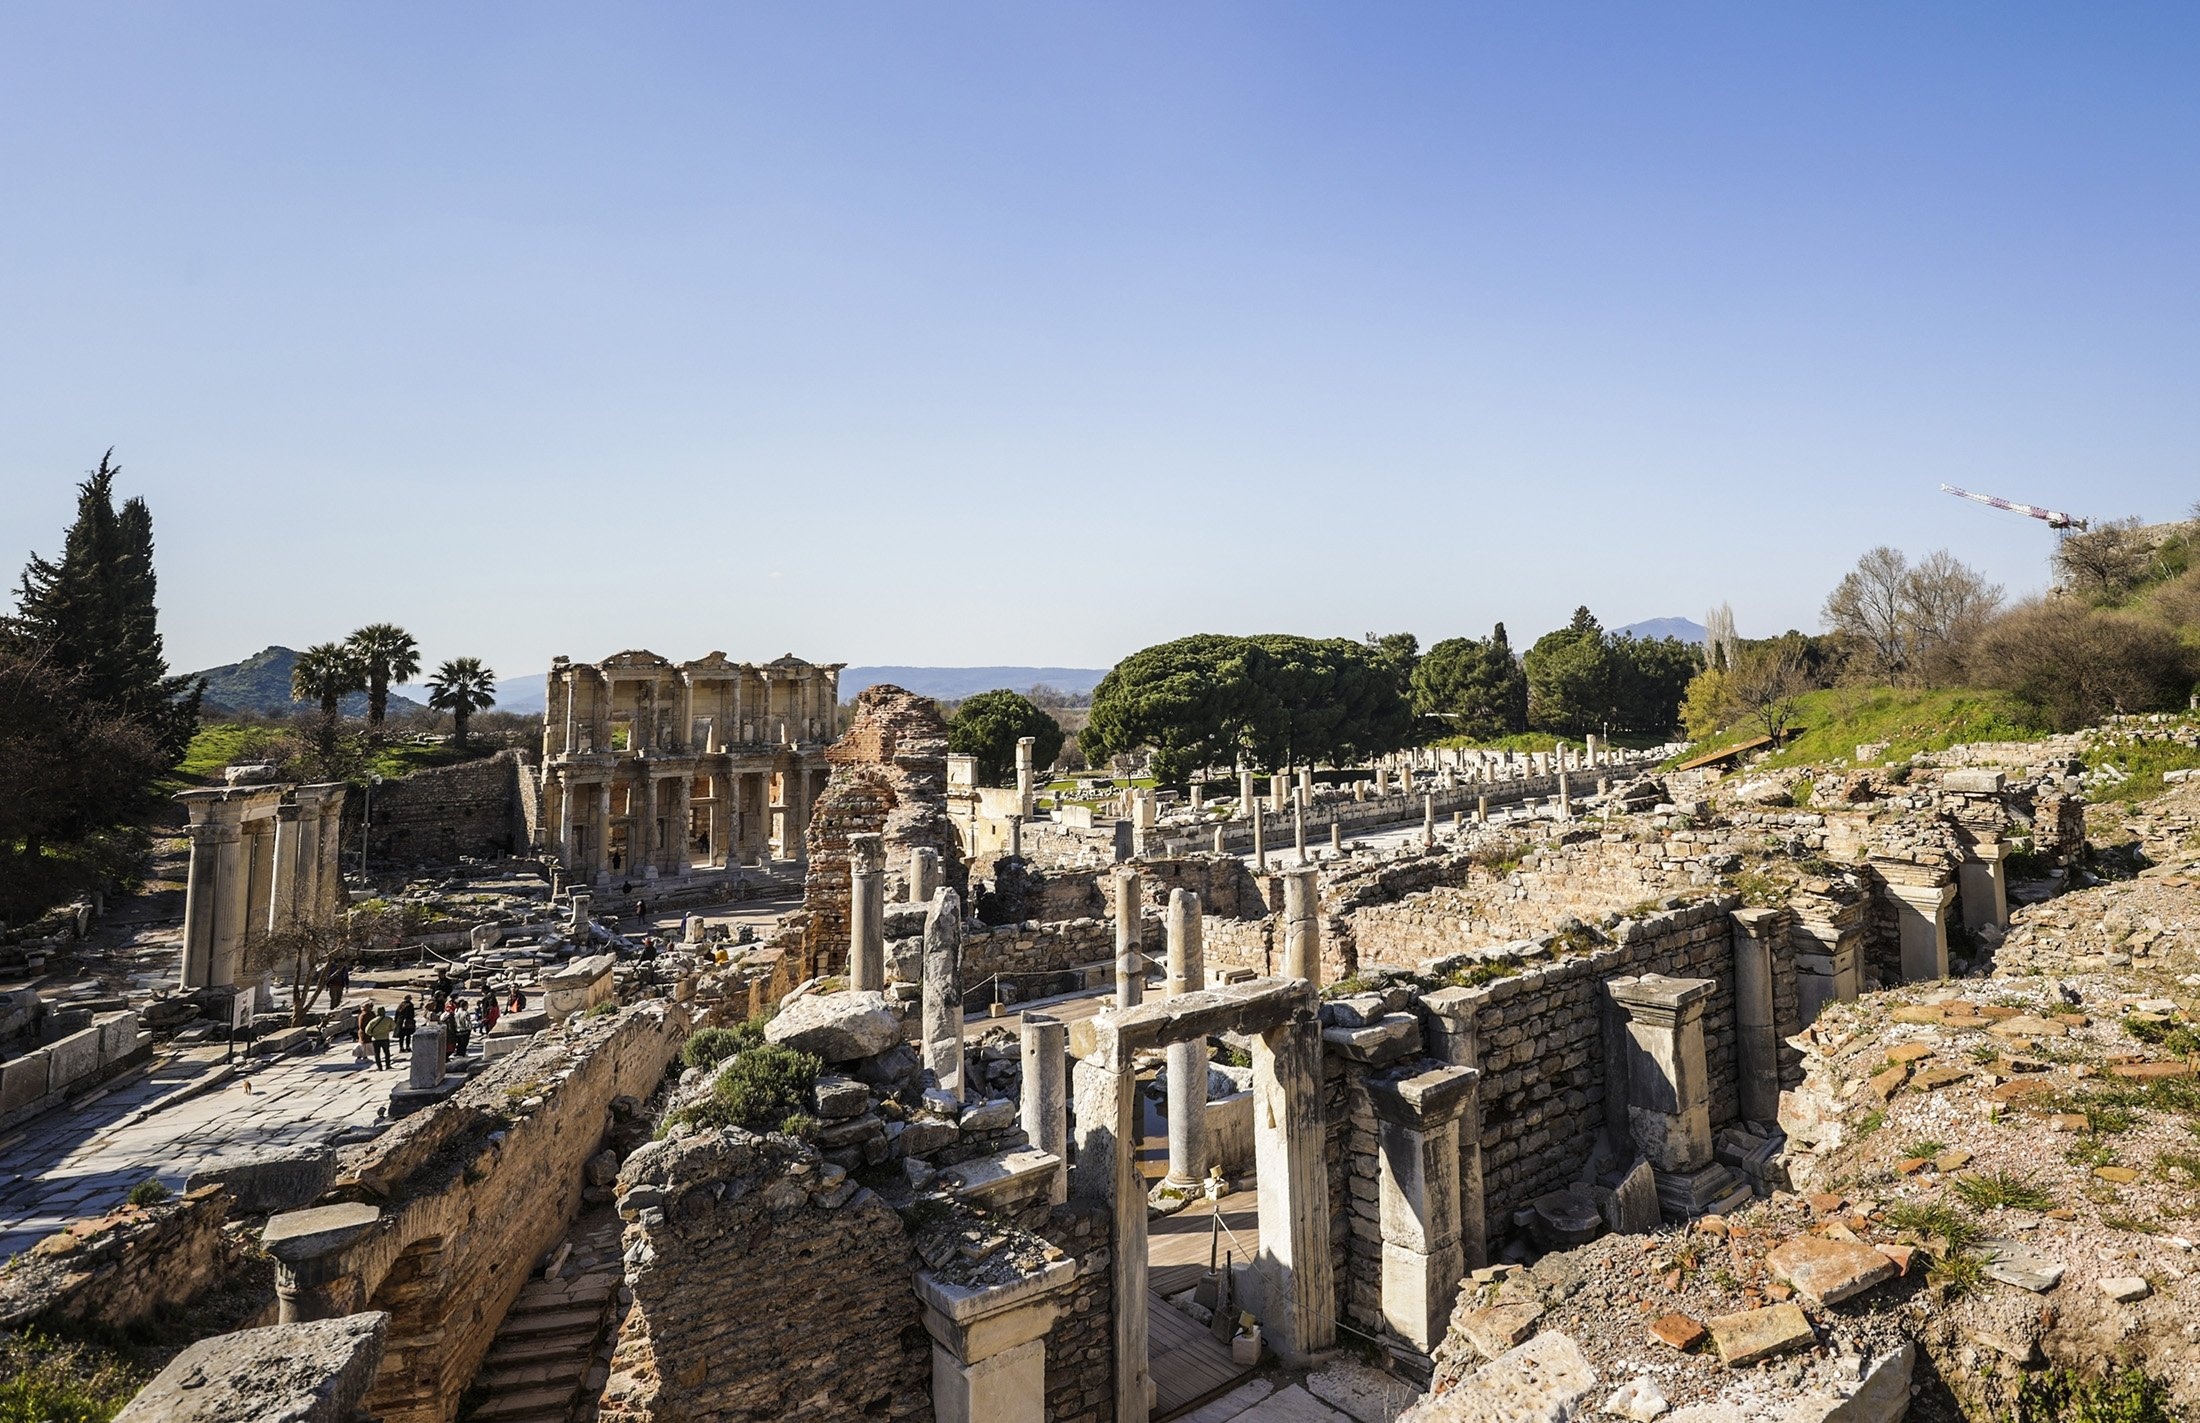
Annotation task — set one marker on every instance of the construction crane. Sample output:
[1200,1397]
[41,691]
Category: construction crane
[2053,518]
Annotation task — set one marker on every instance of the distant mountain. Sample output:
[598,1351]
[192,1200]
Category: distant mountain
[955,683]
[1682,628]
[261,683]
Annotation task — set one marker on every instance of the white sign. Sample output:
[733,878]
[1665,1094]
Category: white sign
[240,1009]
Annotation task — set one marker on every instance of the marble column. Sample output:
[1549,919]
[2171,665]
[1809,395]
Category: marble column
[1336,838]
[1187,1060]
[214,849]
[1298,831]
[1449,1035]
[1247,808]
[1027,781]
[1130,963]
[1295,1275]
[602,855]
[1756,1032]
[282,898]
[924,874]
[1260,842]
[867,913]
[722,819]
[1418,1197]
[1045,1115]
[642,830]
[1302,933]
[1428,822]
[943,1007]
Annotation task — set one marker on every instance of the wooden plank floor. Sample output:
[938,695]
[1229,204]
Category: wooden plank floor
[1189,1365]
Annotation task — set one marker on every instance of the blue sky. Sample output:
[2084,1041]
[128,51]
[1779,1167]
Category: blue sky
[1035,333]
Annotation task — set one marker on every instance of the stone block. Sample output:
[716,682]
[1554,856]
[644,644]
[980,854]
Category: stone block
[297,1373]
[1972,782]
[118,1035]
[1634,1209]
[1546,1380]
[272,1181]
[1828,1271]
[1754,1334]
[23,1080]
[75,1059]
[1500,1328]
[838,1027]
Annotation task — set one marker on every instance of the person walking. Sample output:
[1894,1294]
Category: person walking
[360,1053]
[408,1019]
[339,979]
[488,1012]
[450,1034]
[380,1028]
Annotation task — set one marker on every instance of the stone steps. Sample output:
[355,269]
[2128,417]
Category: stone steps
[545,1351]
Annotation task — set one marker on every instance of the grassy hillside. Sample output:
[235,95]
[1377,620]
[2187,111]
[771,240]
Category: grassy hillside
[1831,724]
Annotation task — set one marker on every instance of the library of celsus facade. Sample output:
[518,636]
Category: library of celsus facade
[651,767]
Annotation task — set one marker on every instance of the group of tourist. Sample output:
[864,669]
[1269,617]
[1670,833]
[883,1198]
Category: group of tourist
[379,1027]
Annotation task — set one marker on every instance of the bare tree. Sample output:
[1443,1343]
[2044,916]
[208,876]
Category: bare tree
[1948,602]
[2106,562]
[1909,620]
[1867,605]
[1769,683]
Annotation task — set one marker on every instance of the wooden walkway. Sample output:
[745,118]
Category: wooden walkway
[1189,1365]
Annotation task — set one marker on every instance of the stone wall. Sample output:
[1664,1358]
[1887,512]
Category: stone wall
[763,1288]
[78,1059]
[1542,1053]
[1029,957]
[474,1190]
[889,777]
[433,817]
[123,1269]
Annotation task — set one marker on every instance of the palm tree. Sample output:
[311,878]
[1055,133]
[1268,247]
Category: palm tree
[389,654]
[462,686]
[326,673]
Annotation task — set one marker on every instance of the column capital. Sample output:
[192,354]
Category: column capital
[1656,997]
[1427,1100]
[1925,898]
[1760,923]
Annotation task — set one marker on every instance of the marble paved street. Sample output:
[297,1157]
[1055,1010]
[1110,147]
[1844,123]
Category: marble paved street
[66,1165]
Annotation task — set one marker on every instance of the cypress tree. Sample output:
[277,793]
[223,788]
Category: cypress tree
[91,612]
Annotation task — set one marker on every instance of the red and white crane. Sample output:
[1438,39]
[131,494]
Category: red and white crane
[2053,518]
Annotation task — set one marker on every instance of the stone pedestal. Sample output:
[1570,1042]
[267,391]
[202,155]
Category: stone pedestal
[1757,1036]
[1983,884]
[943,1010]
[1424,1253]
[1921,915]
[867,913]
[1294,1272]
[1667,1086]
[1188,1059]
[989,1344]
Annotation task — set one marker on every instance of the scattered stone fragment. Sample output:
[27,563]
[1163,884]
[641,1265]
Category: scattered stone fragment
[1755,1334]
[1932,1079]
[1638,1399]
[1501,1327]
[2126,1289]
[1677,1331]
[1954,1160]
[1828,1271]
[2014,1263]
[2118,1175]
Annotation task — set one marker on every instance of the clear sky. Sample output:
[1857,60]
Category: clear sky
[967,333]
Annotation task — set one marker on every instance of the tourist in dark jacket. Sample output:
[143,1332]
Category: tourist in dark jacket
[408,1018]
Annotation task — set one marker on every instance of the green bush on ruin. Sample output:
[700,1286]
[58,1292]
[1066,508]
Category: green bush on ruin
[148,1192]
[711,1046]
[757,1089]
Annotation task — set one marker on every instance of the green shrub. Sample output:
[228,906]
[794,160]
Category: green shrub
[1934,1221]
[2124,1395]
[148,1192]
[757,1090]
[45,1381]
[712,1046]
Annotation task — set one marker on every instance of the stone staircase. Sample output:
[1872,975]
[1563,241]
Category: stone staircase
[540,1364]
